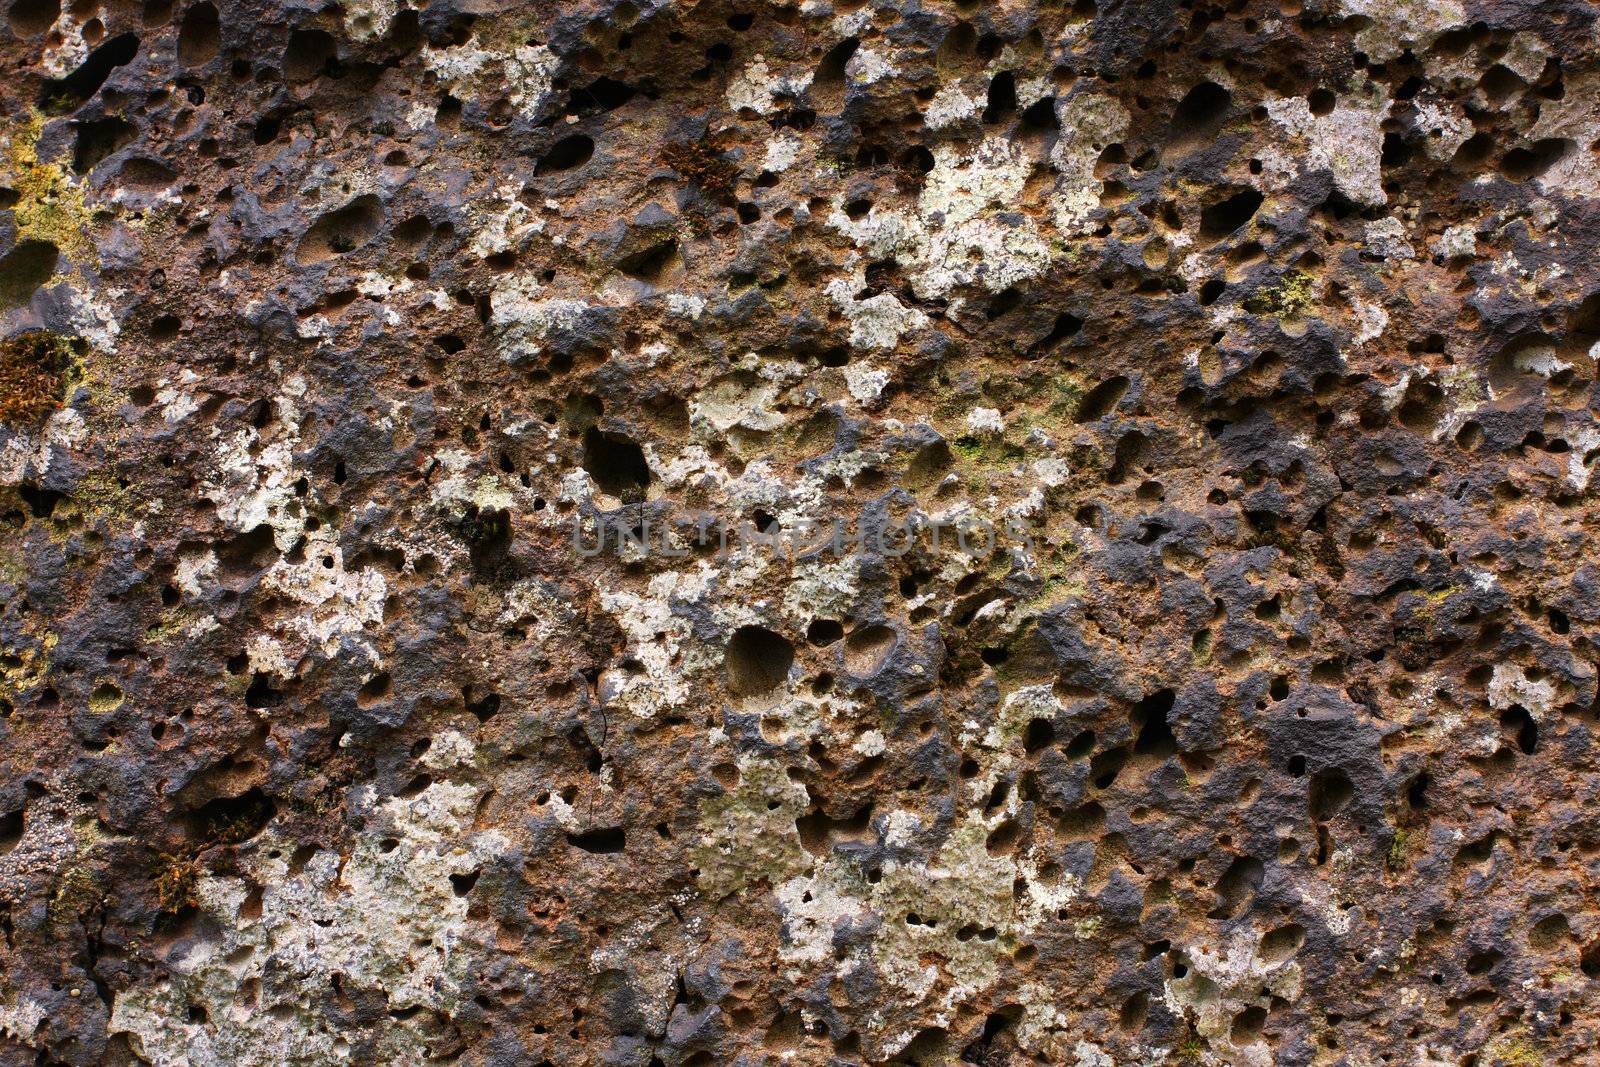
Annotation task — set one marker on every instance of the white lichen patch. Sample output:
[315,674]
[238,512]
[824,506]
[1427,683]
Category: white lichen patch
[521,322]
[335,607]
[195,567]
[744,399]
[1347,142]
[878,322]
[748,833]
[91,315]
[29,455]
[964,230]
[950,107]
[782,151]
[1089,122]
[367,19]
[1443,124]
[533,603]
[1223,981]
[1510,685]
[946,923]
[942,925]
[1456,242]
[1385,238]
[454,487]
[1396,25]
[821,590]
[866,67]
[253,988]
[865,382]
[501,222]
[472,70]
[176,398]
[658,644]
[985,421]
[255,476]
[756,88]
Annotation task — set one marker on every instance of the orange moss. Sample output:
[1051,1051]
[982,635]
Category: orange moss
[701,162]
[175,883]
[35,369]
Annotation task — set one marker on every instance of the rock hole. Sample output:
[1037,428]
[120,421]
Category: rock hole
[1084,821]
[262,693]
[867,649]
[10,830]
[344,230]
[757,661]
[1131,451]
[415,787]
[200,36]
[1040,734]
[823,632]
[374,690]
[307,54]
[1227,216]
[605,841]
[1518,723]
[1133,1012]
[1041,115]
[484,708]
[1331,791]
[603,94]
[230,820]
[1525,164]
[97,139]
[1002,840]
[1247,1025]
[1003,302]
[566,154]
[84,82]
[827,87]
[142,172]
[1283,942]
[651,264]
[26,268]
[1105,767]
[616,463]
[29,17]
[1002,99]
[1100,400]
[1200,114]
[1237,887]
[1149,717]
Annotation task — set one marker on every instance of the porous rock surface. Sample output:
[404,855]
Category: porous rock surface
[1261,331]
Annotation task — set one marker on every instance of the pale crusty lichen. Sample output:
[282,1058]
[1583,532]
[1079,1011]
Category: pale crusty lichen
[385,920]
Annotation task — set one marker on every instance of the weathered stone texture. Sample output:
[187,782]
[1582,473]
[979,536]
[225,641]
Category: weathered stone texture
[1262,734]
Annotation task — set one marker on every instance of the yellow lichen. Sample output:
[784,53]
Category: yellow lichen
[50,205]
[23,668]
[76,895]
[1397,849]
[1514,1049]
[1288,299]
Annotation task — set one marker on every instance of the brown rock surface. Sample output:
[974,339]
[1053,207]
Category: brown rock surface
[831,533]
